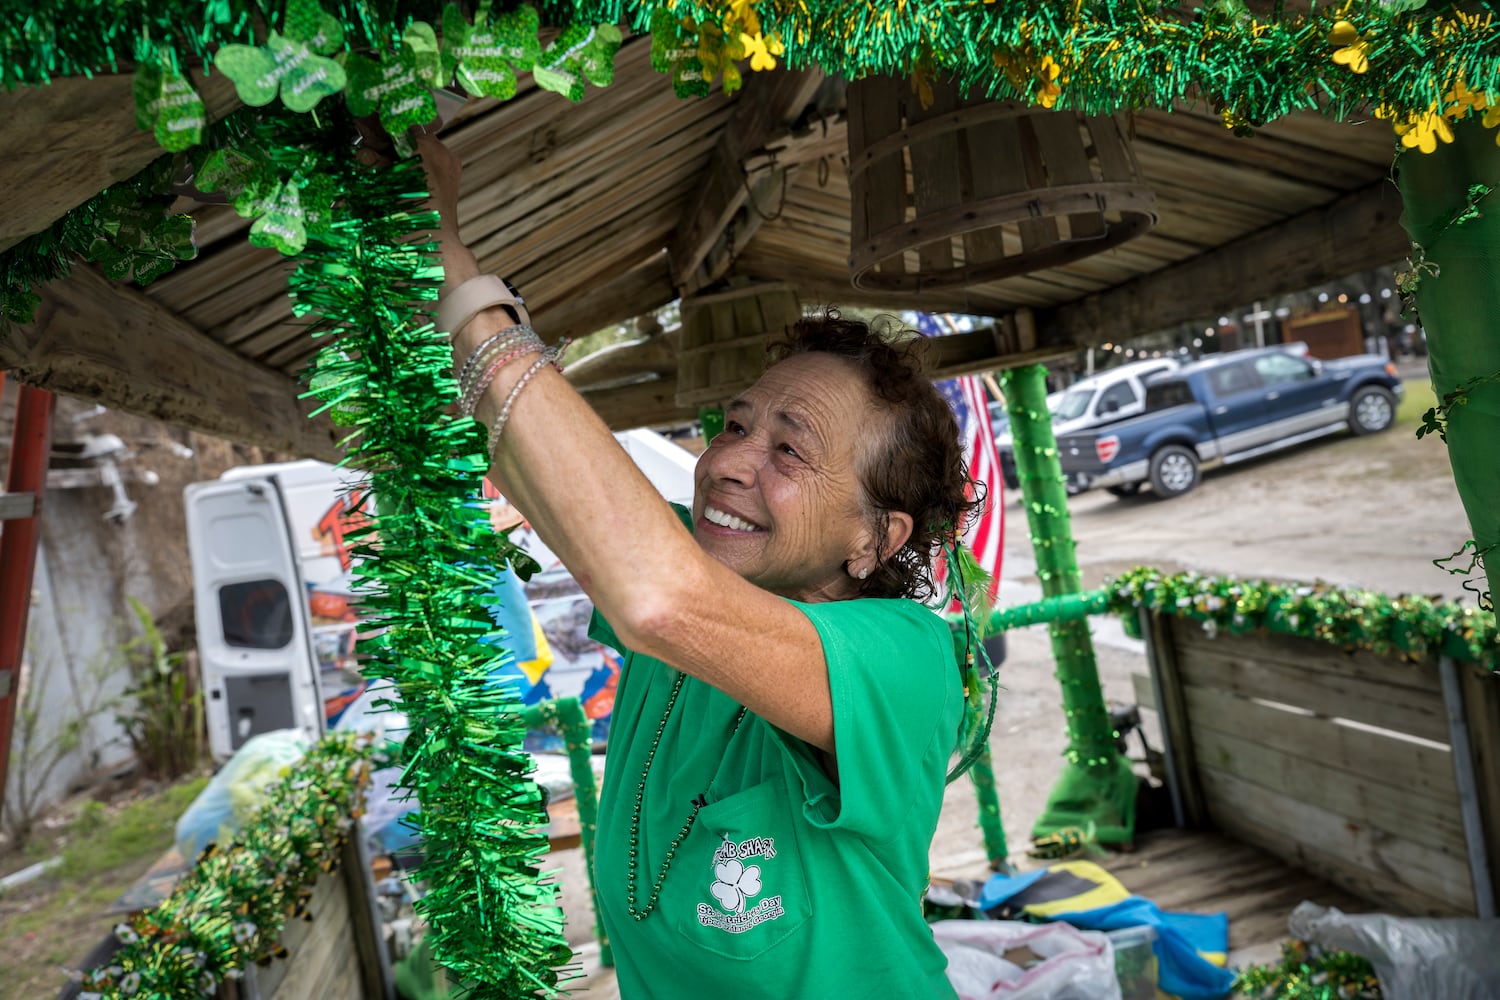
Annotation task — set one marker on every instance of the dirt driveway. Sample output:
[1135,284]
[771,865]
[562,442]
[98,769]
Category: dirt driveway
[1366,512]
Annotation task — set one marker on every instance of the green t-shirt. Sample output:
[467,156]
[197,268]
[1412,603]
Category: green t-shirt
[788,885]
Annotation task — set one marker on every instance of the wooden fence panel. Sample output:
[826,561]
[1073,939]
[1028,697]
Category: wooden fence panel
[1384,867]
[1328,682]
[1337,761]
[1403,764]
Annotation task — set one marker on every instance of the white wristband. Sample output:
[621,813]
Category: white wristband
[468,300]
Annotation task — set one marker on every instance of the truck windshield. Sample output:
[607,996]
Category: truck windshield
[1074,404]
[1164,395]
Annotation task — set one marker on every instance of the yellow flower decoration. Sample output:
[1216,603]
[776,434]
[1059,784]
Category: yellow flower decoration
[760,58]
[922,87]
[1048,88]
[1423,131]
[1462,100]
[1355,51]
[742,14]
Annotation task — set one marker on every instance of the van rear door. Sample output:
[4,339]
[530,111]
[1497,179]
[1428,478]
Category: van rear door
[253,632]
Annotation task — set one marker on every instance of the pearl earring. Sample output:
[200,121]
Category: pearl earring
[864,573]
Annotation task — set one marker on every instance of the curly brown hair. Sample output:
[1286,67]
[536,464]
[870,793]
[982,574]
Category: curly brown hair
[918,467]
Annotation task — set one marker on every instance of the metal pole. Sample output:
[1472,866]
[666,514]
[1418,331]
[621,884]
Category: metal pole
[31,444]
[1468,789]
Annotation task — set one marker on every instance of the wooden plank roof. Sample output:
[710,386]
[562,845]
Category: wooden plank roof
[608,209]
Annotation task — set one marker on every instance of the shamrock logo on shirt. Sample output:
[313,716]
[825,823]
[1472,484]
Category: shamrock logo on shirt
[733,883]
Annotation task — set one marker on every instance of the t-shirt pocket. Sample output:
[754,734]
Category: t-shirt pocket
[737,887]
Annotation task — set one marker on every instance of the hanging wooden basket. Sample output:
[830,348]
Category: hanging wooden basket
[722,345]
[970,190]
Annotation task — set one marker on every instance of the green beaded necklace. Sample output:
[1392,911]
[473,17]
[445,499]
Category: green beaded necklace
[635,817]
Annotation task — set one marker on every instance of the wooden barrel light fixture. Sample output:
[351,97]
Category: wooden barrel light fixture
[969,190]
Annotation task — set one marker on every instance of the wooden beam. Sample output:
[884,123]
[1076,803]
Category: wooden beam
[767,104]
[623,362]
[641,404]
[614,300]
[1357,232]
[652,402]
[67,141]
[112,345]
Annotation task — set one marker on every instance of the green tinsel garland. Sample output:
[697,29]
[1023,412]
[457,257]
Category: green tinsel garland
[1306,972]
[1100,57]
[1413,627]
[128,229]
[229,909]
[426,564]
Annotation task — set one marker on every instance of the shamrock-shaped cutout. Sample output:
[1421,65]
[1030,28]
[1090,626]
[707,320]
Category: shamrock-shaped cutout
[139,241]
[239,176]
[282,224]
[1355,50]
[677,48]
[733,883]
[167,105]
[336,381]
[576,55]
[400,86]
[762,51]
[488,54]
[293,62]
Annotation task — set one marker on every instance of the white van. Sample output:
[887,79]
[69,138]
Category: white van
[273,595]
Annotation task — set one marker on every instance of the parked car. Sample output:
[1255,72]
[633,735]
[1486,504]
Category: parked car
[1226,409]
[1109,396]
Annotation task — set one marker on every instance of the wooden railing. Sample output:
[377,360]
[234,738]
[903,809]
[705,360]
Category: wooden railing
[1348,764]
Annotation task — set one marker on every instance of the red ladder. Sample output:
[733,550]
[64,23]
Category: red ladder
[20,513]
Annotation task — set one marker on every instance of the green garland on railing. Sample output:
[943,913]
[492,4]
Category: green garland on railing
[495,922]
[229,909]
[1412,627]
[1307,972]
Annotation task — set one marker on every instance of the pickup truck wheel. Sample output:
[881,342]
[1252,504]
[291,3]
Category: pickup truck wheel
[1372,410]
[1124,489]
[1174,470]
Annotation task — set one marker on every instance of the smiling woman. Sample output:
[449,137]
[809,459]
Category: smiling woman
[786,709]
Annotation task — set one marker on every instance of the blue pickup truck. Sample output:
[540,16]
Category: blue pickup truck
[1228,408]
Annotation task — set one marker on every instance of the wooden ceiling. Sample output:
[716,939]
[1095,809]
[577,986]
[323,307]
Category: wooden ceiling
[614,207]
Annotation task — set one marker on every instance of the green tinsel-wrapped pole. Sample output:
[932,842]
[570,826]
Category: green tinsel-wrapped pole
[1452,211]
[1064,607]
[1097,786]
[982,773]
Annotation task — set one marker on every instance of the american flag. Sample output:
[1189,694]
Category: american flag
[986,538]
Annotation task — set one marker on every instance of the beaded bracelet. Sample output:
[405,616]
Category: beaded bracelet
[494,342]
[498,427]
[470,400]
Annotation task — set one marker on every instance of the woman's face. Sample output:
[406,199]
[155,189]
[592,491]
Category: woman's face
[778,495]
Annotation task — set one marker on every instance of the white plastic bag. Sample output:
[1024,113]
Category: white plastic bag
[1415,958]
[1075,964]
[238,788]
